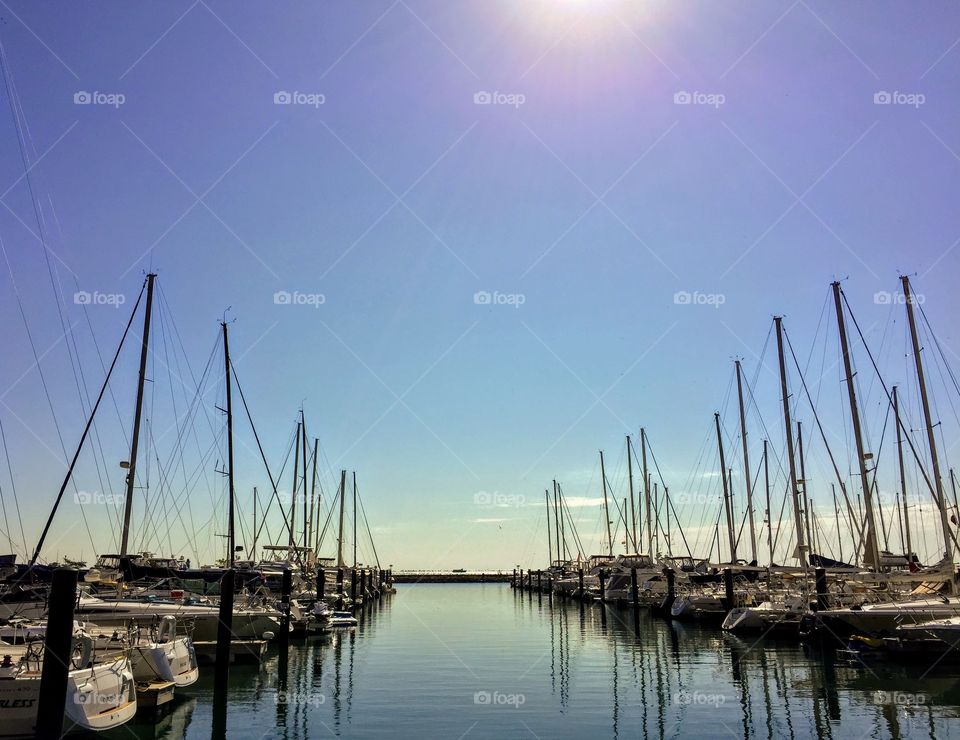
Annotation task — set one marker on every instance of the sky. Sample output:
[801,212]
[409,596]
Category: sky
[477,242]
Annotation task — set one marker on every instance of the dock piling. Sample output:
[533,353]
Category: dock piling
[635,597]
[58,646]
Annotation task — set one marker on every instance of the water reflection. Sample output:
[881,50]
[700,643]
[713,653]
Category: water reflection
[419,659]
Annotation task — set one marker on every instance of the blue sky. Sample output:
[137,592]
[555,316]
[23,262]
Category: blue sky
[586,186]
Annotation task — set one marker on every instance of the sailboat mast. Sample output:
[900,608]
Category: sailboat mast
[931,441]
[766,486]
[872,542]
[306,498]
[232,554]
[354,519]
[803,479]
[343,493]
[135,441]
[556,520]
[633,504]
[253,549]
[546,495]
[606,505]
[313,493]
[788,426]
[746,465]
[646,490]
[726,493]
[293,497]
[903,478]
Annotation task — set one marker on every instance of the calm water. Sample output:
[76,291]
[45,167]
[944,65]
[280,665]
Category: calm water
[482,661]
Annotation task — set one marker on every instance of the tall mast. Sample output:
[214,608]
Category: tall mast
[546,495]
[253,549]
[343,493]
[563,529]
[606,505]
[354,519]
[135,442]
[646,490]
[232,555]
[931,441]
[746,465]
[788,426]
[872,542]
[726,493]
[803,481]
[306,498]
[903,478]
[556,520]
[293,498]
[766,486]
[836,513]
[633,505]
[313,492]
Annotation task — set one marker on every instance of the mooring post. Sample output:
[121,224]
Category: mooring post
[513,579]
[822,591]
[224,631]
[539,581]
[667,604]
[286,586]
[550,586]
[582,594]
[635,596]
[321,583]
[603,582]
[728,588]
[57,653]
[353,587]
[339,588]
